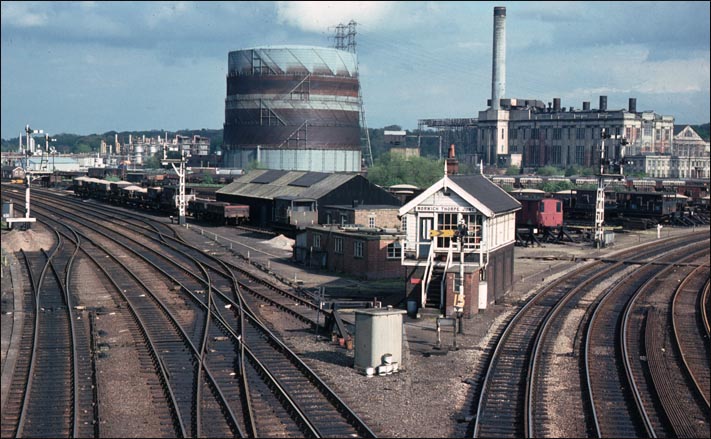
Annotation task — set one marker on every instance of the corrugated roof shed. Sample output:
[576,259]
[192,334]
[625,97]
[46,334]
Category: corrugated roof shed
[281,187]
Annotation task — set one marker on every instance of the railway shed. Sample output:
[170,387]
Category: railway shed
[291,200]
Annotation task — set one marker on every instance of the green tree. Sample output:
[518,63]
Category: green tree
[513,170]
[81,147]
[579,171]
[253,165]
[391,169]
[557,186]
[549,170]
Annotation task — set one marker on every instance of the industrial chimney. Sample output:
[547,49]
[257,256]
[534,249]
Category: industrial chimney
[556,104]
[603,103]
[498,75]
[452,164]
[633,105]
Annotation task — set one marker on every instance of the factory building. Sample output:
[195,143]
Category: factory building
[530,132]
[554,136]
[294,108]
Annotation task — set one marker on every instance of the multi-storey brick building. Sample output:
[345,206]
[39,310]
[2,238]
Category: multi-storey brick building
[555,136]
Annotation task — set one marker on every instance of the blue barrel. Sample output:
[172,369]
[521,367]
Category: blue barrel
[412,308]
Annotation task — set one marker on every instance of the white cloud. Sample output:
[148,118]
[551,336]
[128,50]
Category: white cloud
[22,14]
[319,16]
[674,76]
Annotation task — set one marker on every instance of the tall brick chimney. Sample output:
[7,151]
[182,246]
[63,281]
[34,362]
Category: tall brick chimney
[452,162]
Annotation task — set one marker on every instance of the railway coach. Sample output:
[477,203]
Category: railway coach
[536,210]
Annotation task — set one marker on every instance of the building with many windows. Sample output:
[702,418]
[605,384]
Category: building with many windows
[668,166]
[687,143]
[560,137]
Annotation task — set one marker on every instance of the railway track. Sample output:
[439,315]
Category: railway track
[622,396]
[689,330]
[513,395]
[219,347]
[54,390]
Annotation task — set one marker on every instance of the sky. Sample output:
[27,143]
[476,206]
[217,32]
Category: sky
[93,67]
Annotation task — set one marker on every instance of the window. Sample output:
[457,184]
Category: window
[404,223]
[394,250]
[338,245]
[557,133]
[358,249]
[542,207]
[445,221]
[344,220]
[474,227]
[317,240]
[580,133]
[371,221]
[580,155]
